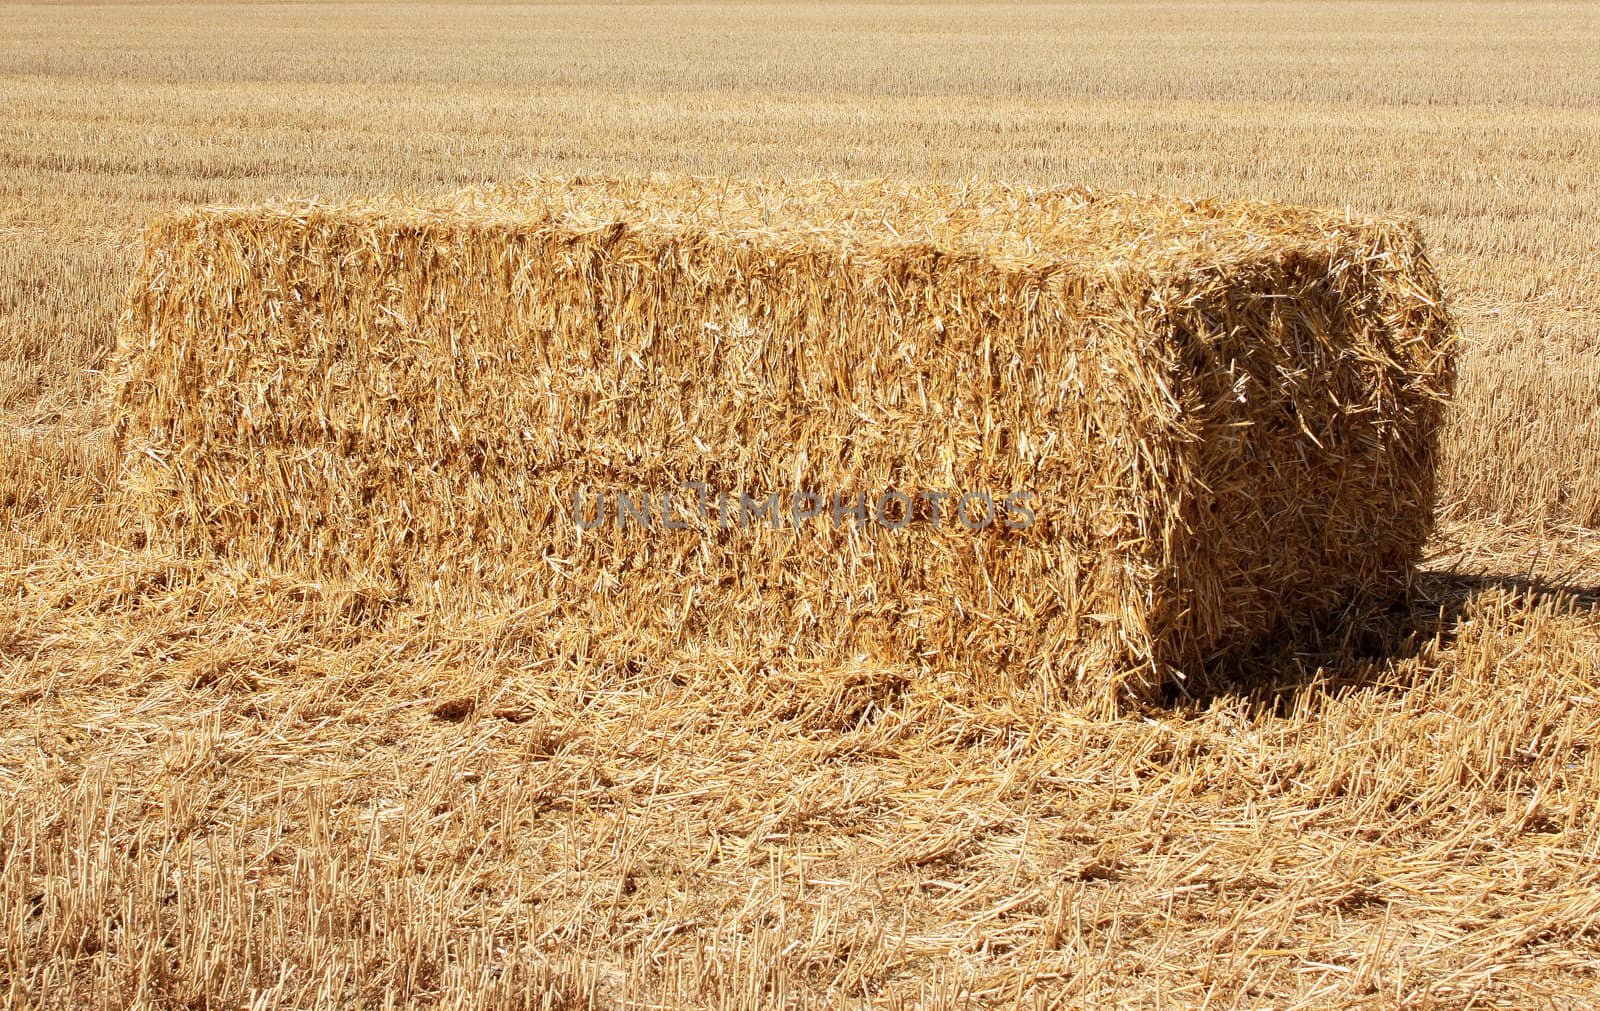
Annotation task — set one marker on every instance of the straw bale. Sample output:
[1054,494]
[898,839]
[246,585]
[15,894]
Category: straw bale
[1224,415]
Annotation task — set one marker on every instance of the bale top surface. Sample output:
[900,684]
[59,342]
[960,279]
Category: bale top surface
[1012,226]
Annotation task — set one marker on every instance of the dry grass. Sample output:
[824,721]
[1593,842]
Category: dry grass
[219,788]
[246,789]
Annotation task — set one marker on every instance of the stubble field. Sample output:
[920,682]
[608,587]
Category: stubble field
[224,788]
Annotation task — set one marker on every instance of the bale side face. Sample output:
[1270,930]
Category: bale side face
[419,406]
[415,401]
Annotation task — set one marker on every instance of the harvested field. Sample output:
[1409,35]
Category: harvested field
[227,783]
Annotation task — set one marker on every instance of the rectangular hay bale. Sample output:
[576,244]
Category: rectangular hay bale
[1223,416]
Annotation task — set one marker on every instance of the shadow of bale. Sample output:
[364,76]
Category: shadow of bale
[1367,646]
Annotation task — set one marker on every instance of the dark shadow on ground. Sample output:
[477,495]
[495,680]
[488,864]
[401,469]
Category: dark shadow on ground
[1367,648]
